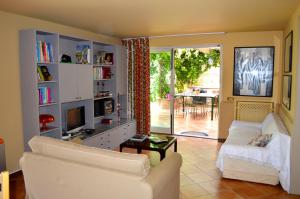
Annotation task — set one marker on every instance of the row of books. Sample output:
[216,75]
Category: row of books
[45,95]
[102,73]
[44,52]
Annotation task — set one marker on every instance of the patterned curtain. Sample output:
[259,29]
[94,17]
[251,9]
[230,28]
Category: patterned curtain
[138,54]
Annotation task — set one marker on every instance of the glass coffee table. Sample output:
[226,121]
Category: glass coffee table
[147,144]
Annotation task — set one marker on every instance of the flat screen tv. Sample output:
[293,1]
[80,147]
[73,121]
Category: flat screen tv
[75,119]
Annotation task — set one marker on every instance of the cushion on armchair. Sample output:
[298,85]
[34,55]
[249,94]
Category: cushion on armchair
[135,164]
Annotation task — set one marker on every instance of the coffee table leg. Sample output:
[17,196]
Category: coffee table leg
[162,155]
[121,148]
[175,146]
[139,150]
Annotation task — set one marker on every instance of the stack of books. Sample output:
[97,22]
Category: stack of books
[45,95]
[102,73]
[44,52]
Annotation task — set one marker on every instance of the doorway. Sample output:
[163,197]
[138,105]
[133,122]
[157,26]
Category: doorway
[185,89]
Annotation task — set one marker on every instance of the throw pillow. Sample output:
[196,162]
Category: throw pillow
[261,140]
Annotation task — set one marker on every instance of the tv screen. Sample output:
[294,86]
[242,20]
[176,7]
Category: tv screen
[75,118]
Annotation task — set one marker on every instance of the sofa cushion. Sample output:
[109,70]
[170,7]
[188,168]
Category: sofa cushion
[242,135]
[130,163]
[243,124]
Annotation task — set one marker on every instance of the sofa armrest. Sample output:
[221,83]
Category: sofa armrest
[165,178]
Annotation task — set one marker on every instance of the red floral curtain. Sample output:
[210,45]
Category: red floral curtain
[139,82]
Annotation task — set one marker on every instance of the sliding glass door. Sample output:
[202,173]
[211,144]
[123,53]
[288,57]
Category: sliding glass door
[161,89]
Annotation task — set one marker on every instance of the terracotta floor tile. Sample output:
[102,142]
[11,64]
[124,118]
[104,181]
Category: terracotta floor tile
[190,168]
[194,190]
[206,197]
[213,187]
[248,192]
[234,184]
[266,189]
[199,177]
[184,180]
[227,194]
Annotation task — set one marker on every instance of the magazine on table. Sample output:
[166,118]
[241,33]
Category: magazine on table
[138,137]
[158,139]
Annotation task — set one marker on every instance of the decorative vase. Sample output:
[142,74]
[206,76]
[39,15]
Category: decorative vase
[45,119]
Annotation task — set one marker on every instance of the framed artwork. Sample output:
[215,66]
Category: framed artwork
[253,71]
[287,91]
[288,52]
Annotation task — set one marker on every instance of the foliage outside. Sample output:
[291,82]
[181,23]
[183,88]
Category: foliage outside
[189,65]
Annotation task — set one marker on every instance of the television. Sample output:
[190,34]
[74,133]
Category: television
[75,120]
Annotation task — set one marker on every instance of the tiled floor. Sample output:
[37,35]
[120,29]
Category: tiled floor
[200,179]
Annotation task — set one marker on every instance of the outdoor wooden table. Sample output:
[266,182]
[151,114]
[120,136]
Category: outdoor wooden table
[205,95]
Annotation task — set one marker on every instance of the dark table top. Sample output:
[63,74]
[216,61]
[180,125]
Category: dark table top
[147,144]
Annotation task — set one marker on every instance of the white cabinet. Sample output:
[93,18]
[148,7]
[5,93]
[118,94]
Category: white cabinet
[85,81]
[131,129]
[92,141]
[111,139]
[99,141]
[115,137]
[67,82]
[75,82]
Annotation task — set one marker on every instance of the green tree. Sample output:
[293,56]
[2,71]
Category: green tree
[191,63]
[159,68]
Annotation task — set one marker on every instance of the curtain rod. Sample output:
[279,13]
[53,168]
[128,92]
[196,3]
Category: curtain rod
[177,35]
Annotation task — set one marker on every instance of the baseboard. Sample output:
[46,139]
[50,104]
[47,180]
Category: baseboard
[16,173]
[222,140]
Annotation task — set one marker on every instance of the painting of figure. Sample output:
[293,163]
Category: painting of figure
[253,71]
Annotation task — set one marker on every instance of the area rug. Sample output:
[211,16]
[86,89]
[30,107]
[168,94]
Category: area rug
[194,133]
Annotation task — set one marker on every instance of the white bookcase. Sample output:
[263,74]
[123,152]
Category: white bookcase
[72,84]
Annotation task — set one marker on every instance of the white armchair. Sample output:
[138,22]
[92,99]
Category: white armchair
[59,169]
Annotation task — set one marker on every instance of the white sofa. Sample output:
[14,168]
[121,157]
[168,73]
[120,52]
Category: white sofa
[65,170]
[270,164]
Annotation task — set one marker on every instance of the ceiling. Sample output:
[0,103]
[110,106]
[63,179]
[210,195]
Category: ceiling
[133,18]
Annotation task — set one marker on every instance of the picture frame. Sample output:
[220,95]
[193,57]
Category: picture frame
[288,53]
[287,91]
[253,71]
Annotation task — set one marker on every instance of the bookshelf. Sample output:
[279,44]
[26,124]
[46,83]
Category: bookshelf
[71,83]
[104,72]
[30,60]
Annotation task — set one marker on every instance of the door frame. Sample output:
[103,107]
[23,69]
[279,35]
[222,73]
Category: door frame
[172,48]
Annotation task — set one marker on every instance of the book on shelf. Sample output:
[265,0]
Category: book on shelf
[45,95]
[44,52]
[43,73]
[40,74]
[102,73]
